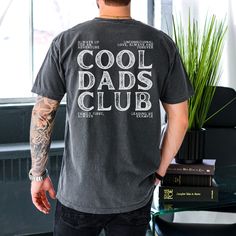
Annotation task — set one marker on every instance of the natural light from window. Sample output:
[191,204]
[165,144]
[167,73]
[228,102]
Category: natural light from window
[19,63]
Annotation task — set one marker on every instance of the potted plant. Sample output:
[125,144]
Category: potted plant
[201,53]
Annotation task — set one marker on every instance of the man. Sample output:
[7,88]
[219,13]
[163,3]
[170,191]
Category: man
[114,70]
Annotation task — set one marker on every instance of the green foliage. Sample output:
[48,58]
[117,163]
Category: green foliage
[201,53]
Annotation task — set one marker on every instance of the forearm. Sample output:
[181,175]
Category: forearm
[172,141]
[42,122]
[176,128]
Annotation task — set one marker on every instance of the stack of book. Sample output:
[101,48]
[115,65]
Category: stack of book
[189,183]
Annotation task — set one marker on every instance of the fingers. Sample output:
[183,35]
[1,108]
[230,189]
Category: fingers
[45,200]
[39,202]
[52,193]
[156,181]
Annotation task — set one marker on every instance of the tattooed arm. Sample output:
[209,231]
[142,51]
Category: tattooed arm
[42,121]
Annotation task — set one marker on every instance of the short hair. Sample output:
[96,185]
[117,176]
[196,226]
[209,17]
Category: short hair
[117,2]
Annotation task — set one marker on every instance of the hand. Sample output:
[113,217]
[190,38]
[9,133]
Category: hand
[156,181]
[38,194]
[159,176]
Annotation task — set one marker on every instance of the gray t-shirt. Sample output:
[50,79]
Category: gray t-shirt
[113,72]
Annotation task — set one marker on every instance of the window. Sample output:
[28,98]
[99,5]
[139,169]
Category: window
[26,31]
[14,48]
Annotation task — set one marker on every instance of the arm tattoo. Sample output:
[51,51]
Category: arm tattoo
[42,122]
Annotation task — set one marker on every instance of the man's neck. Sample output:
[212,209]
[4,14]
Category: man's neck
[116,12]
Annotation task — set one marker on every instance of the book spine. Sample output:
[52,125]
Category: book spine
[187,180]
[188,194]
[190,169]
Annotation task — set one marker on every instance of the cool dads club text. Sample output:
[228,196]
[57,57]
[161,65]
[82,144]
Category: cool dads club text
[105,60]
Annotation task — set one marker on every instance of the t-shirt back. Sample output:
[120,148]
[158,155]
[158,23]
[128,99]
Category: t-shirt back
[114,73]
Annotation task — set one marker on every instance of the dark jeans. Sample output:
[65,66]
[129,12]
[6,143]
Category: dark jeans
[69,222]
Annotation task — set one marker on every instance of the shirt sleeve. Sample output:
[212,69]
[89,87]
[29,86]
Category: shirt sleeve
[50,81]
[177,86]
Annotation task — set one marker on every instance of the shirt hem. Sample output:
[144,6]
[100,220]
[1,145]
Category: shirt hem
[105,210]
[46,94]
[177,100]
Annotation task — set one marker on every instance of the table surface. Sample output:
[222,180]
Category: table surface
[225,177]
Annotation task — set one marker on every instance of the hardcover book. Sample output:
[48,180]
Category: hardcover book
[187,180]
[207,167]
[187,194]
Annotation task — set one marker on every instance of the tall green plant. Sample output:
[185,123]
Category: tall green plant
[201,53]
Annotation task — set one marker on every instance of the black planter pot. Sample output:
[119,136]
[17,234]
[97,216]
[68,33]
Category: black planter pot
[192,148]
